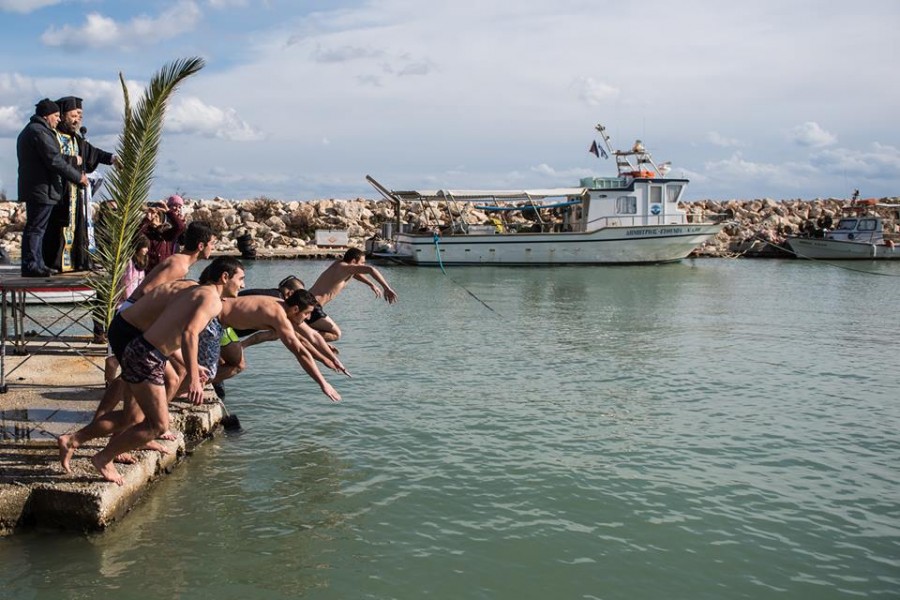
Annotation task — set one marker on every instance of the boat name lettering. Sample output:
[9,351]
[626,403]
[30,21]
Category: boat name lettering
[662,231]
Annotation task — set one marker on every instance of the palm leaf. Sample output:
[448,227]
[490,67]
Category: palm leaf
[129,184]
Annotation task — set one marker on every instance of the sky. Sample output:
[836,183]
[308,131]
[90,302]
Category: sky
[301,99]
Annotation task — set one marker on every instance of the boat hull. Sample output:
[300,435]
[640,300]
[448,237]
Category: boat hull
[824,249]
[610,245]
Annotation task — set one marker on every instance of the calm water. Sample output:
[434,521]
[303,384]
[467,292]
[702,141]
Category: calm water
[711,429]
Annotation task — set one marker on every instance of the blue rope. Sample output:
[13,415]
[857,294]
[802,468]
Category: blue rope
[437,250]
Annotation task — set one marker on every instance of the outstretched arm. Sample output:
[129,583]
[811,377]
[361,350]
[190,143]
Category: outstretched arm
[368,282]
[290,340]
[317,341]
[362,270]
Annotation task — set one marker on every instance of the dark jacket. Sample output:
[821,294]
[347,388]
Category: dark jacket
[43,171]
[162,239]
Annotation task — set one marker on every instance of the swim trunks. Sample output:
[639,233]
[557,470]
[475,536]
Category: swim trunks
[208,348]
[316,314]
[229,336]
[142,362]
[120,334]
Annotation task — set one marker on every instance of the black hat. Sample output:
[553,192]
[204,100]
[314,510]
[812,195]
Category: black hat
[45,107]
[67,103]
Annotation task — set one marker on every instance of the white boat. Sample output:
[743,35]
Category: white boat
[859,235]
[631,218]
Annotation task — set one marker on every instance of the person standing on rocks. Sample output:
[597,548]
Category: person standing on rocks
[43,174]
[332,281]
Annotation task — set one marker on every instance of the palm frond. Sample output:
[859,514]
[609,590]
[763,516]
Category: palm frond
[129,184]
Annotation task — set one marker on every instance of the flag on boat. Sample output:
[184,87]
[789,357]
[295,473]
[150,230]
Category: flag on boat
[603,153]
[594,149]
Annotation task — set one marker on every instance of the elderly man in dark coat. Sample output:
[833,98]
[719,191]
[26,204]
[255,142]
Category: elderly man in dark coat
[66,241]
[43,174]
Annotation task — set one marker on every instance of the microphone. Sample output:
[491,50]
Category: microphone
[83,131]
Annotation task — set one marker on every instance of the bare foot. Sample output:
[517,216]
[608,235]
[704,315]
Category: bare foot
[107,471]
[66,450]
[156,446]
[168,436]
[125,459]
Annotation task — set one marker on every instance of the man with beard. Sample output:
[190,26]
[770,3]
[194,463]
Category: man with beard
[44,176]
[65,245]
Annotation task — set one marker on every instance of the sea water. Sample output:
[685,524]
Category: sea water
[708,429]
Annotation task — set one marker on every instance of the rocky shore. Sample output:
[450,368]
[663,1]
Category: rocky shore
[289,228]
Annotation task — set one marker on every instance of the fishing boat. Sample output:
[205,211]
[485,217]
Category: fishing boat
[859,235]
[631,218]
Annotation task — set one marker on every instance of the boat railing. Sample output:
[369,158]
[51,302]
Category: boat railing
[637,220]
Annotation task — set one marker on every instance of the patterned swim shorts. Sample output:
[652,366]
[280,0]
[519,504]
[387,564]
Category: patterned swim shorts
[141,362]
[208,348]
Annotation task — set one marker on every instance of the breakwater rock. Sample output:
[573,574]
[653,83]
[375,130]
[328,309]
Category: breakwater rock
[753,227]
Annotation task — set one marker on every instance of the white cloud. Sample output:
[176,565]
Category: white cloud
[738,172]
[192,116]
[717,139]
[568,177]
[99,31]
[25,6]
[11,121]
[344,54]
[879,162]
[812,135]
[220,4]
[594,93]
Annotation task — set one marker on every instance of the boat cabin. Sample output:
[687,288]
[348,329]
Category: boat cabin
[628,200]
[866,229]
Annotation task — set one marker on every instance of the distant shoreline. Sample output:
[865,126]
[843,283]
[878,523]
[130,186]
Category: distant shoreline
[286,230]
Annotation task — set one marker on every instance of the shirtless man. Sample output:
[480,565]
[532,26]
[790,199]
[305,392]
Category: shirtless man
[199,242]
[236,341]
[332,281]
[170,323]
[281,317]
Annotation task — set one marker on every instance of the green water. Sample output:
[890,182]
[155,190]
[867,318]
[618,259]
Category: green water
[710,429]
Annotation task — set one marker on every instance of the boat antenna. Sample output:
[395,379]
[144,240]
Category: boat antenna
[624,164]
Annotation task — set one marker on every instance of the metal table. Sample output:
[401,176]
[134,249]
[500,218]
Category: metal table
[56,308]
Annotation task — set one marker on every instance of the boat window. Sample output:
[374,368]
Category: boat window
[673,192]
[847,224]
[655,194]
[626,205]
[867,225]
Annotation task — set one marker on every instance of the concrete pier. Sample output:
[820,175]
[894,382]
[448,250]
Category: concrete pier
[53,394]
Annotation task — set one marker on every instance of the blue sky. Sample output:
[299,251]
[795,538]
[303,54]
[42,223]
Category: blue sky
[301,99]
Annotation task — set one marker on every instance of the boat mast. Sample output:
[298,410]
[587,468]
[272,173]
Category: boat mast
[623,162]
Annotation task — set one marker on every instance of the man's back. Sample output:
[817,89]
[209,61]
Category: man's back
[195,307]
[252,312]
[171,269]
[145,311]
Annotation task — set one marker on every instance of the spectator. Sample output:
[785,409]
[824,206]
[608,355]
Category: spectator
[163,225]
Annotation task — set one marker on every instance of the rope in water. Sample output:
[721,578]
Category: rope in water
[437,251]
